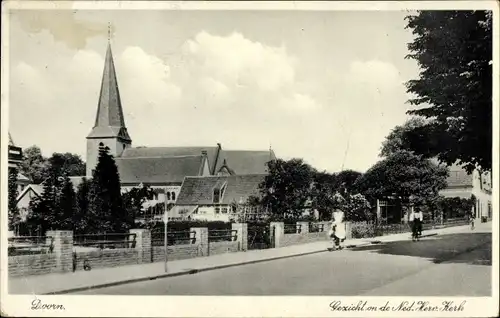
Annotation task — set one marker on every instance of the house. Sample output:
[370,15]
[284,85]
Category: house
[463,185]
[215,198]
[15,158]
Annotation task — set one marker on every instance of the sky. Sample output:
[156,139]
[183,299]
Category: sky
[325,86]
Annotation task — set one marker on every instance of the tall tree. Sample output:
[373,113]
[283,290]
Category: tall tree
[106,210]
[34,166]
[454,89]
[67,164]
[13,193]
[398,138]
[324,187]
[80,220]
[66,206]
[134,199]
[346,181]
[405,175]
[286,188]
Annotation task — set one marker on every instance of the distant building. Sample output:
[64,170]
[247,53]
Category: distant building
[214,198]
[15,158]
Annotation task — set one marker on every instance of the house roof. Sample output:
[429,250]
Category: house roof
[246,162]
[199,190]
[158,169]
[142,152]
[22,178]
[36,188]
[459,178]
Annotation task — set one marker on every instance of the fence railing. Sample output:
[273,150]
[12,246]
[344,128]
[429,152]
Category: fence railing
[292,228]
[29,245]
[222,235]
[316,227]
[106,240]
[173,238]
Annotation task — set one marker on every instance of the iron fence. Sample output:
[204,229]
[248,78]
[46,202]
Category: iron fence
[29,245]
[222,235]
[259,236]
[293,228]
[173,238]
[105,240]
[316,227]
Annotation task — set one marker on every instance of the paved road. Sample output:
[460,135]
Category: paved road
[446,265]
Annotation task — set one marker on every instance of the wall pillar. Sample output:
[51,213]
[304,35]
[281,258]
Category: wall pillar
[142,244]
[201,238]
[62,249]
[241,235]
[303,226]
[278,229]
[348,230]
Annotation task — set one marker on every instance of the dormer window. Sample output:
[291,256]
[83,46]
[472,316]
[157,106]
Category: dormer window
[216,195]
[218,192]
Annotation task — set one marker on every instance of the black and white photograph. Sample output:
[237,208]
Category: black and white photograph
[338,153]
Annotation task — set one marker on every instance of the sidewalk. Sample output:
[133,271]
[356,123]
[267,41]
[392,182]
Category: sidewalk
[99,278]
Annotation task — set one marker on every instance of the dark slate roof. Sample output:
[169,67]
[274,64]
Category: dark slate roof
[158,169]
[171,152]
[244,162]
[109,121]
[199,190]
[457,176]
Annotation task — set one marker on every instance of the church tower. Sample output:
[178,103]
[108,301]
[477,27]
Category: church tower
[109,128]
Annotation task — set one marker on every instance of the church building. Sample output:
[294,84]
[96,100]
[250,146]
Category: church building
[161,168]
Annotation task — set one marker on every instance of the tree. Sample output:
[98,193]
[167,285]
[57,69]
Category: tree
[80,220]
[403,175]
[346,181]
[106,211]
[286,188]
[66,206]
[357,208]
[324,187]
[398,138]
[34,165]
[13,193]
[67,164]
[134,199]
[454,91]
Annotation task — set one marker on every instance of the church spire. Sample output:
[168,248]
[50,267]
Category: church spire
[109,121]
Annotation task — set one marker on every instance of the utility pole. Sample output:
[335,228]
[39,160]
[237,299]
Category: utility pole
[165,223]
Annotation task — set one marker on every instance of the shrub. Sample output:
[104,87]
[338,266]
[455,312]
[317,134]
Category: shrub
[362,230]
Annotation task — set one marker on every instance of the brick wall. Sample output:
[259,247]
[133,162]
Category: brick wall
[223,247]
[108,258]
[22,265]
[294,239]
[176,252]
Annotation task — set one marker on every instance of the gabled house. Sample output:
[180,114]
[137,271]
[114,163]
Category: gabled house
[214,198]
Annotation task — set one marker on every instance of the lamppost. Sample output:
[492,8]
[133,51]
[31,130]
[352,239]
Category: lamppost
[165,223]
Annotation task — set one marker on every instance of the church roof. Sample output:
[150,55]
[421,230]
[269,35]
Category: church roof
[158,169]
[172,152]
[199,190]
[244,162]
[109,121]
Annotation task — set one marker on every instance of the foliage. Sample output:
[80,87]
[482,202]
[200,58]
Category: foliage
[80,218]
[66,206]
[454,90]
[403,175]
[357,208]
[455,207]
[346,181]
[398,138]
[12,199]
[67,164]
[362,230]
[179,226]
[134,199]
[286,188]
[106,211]
[34,165]
[322,192]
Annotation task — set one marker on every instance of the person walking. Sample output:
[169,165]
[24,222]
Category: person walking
[415,220]
[337,231]
[471,221]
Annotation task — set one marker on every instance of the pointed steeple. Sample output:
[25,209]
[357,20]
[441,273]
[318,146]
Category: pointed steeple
[109,121]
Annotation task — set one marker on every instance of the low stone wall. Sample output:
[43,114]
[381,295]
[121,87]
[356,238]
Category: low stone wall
[223,247]
[176,252]
[107,258]
[22,265]
[295,239]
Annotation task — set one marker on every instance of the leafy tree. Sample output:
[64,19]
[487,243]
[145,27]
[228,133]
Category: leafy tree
[106,210]
[404,175]
[66,206]
[134,199]
[454,89]
[34,165]
[398,138]
[286,188]
[324,187]
[80,217]
[346,181]
[13,193]
[357,208]
[67,164]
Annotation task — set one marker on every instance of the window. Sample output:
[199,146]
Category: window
[168,195]
[173,196]
[224,210]
[216,198]
[217,210]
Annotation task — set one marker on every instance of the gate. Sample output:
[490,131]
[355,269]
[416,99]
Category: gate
[260,236]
